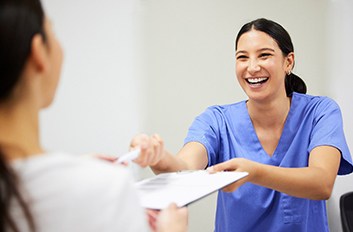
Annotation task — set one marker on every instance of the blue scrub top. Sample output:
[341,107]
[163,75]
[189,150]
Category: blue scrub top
[227,132]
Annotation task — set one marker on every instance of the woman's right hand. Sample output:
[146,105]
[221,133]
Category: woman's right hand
[172,219]
[152,149]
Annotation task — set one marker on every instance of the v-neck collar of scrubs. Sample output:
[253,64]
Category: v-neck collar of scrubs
[284,141]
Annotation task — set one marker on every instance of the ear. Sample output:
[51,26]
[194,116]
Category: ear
[39,54]
[289,62]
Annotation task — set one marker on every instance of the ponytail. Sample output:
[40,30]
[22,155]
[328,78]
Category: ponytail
[294,83]
[10,193]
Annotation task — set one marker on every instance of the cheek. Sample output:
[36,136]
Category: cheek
[274,65]
[239,69]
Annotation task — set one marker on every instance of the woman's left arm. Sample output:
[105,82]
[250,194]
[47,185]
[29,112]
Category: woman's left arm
[314,182]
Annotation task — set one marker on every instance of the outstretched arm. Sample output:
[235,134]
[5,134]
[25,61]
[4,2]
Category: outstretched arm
[314,182]
[192,156]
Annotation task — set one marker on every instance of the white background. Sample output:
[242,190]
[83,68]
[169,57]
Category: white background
[97,104]
[153,65]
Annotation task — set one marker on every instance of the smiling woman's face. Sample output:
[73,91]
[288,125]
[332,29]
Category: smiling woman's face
[261,66]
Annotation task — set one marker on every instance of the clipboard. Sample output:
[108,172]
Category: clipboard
[182,188]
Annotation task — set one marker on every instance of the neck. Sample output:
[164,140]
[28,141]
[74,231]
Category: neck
[19,137]
[270,114]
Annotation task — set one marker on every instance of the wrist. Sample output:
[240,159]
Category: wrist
[160,166]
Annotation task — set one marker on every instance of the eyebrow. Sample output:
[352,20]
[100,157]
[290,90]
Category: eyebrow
[260,50]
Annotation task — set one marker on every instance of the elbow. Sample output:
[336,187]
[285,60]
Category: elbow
[327,192]
[324,183]
[324,192]
[325,195]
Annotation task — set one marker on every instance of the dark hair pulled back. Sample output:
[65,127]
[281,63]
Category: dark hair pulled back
[293,83]
[20,20]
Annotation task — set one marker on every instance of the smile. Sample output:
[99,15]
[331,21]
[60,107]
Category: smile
[258,80]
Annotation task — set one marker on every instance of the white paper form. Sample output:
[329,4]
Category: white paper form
[183,187]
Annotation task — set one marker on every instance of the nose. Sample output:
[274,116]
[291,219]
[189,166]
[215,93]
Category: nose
[253,66]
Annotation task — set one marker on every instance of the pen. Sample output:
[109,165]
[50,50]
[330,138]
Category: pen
[129,156]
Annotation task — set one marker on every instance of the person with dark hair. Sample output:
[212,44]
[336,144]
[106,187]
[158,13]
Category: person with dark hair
[53,191]
[292,144]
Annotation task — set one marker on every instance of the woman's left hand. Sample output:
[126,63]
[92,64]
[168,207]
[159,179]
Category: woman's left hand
[236,164]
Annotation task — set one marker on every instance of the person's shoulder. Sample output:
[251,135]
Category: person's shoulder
[67,162]
[227,107]
[323,102]
[70,170]
[91,170]
[76,188]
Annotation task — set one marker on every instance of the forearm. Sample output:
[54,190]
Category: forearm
[314,181]
[193,156]
[169,163]
[309,182]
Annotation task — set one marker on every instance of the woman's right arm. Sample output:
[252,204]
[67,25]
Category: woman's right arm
[192,156]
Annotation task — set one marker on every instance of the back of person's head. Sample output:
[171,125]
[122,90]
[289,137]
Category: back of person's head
[293,83]
[20,20]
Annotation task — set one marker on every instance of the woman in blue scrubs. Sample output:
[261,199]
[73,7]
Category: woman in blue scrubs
[291,144]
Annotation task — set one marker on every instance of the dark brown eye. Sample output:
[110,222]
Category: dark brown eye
[264,55]
[241,57]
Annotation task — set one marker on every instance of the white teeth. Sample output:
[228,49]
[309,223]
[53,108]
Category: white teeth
[256,80]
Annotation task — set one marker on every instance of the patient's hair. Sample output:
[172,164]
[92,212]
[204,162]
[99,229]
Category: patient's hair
[20,20]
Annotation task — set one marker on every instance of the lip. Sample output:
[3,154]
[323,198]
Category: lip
[256,82]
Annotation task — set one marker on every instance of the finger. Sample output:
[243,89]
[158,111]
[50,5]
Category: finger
[230,188]
[234,186]
[153,151]
[152,213]
[152,223]
[142,159]
[172,206]
[144,145]
[152,218]
[138,140]
[150,153]
[184,211]
[105,157]
[229,165]
[159,140]
[211,170]
[156,149]
[159,149]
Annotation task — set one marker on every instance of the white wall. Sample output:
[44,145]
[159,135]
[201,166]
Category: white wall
[340,37]
[188,62]
[97,104]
